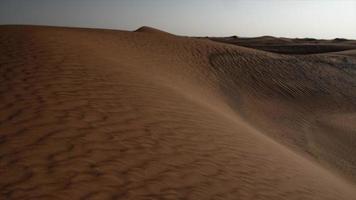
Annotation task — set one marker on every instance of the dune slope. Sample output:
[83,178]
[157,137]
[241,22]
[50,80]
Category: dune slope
[104,114]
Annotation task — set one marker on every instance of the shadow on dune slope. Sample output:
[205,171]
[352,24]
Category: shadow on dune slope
[289,98]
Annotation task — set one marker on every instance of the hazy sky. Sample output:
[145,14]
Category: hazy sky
[287,18]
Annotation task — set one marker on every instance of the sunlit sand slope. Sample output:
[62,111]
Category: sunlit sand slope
[103,114]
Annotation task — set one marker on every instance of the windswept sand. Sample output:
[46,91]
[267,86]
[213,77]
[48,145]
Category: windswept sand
[290,46]
[104,114]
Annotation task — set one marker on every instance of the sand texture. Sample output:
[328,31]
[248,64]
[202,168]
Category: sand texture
[300,46]
[106,114]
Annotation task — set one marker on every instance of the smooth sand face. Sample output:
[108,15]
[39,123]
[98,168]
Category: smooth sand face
[101,114]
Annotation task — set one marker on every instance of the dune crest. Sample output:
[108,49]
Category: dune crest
[147,29]
[104,114]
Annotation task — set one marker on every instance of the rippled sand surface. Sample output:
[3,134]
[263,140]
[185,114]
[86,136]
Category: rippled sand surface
[105,114]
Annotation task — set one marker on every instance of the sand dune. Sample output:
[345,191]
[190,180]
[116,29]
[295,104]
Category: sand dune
[105,114]
[301,46]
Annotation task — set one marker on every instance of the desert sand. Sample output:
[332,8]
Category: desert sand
[108,114]
[301,46]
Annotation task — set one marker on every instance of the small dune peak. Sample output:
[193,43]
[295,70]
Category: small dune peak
[267,37]
[147,29]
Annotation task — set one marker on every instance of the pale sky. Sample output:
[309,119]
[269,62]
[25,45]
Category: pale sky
[282,18]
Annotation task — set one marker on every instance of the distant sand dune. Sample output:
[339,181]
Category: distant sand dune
[300,46]
[105,114]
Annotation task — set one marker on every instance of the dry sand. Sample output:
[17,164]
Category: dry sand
[290,46]
[104,114]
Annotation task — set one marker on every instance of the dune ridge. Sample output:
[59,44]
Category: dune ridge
[107,114]
[298,46]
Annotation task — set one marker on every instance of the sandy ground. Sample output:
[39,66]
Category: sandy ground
[300,46]
[104,114]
